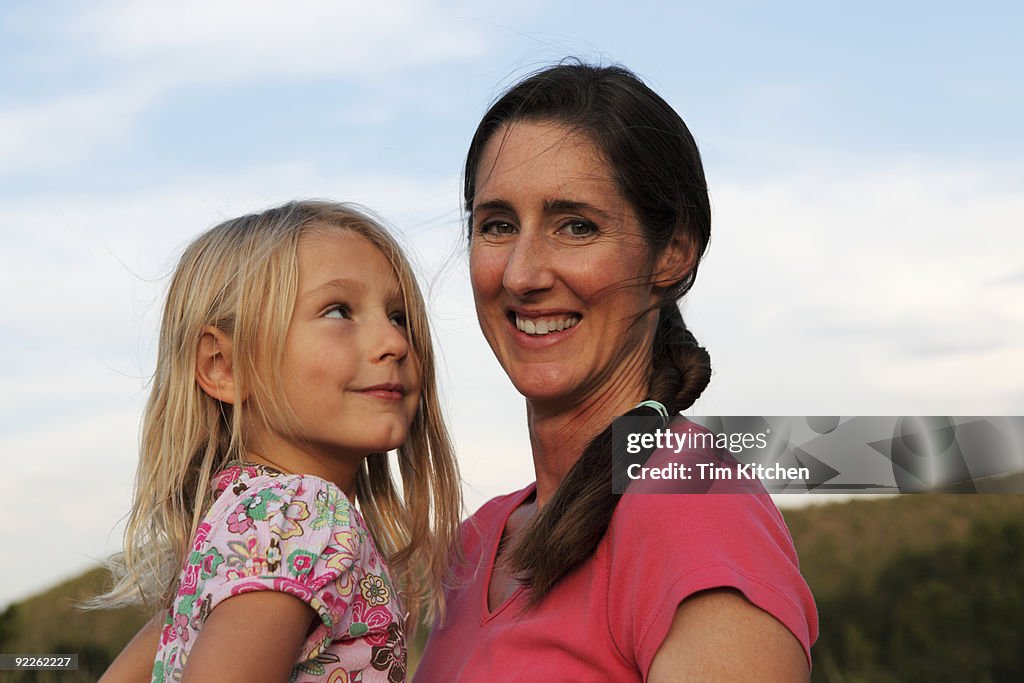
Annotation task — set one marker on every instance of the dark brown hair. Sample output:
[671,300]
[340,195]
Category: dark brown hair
[656,165]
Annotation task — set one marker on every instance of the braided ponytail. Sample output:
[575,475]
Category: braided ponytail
[681,367]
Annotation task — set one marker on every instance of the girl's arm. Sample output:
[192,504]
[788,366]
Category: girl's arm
[135,663]
[718,635]
[250,637]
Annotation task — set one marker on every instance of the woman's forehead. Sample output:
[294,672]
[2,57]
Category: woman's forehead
[545,157]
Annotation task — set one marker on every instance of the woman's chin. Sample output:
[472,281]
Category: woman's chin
[544,389]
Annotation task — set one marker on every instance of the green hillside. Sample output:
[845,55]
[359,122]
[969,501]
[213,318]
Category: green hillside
[916,588]
[51,623]
[909,588]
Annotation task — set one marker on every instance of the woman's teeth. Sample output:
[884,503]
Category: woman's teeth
[546,326]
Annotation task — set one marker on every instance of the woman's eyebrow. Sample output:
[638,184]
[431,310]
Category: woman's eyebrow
[572,206]
[493,205]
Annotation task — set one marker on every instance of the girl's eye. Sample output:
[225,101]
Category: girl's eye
[579,228]
[400,319]
[338,311]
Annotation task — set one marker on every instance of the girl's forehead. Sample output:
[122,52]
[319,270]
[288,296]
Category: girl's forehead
[341,255]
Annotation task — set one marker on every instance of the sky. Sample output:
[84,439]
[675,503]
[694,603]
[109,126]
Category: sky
[864,163]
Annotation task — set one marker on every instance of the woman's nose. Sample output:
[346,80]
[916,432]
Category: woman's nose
[530,266]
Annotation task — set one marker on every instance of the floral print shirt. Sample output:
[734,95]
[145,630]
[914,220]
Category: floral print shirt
[298,534]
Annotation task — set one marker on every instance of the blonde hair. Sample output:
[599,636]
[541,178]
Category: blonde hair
[241,277]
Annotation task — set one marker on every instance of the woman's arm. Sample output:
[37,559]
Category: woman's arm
[135,663]
[250,637]
[717,635]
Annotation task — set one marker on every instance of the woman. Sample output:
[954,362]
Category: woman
[588,215]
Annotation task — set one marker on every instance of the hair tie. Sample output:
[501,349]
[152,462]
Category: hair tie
[658,407]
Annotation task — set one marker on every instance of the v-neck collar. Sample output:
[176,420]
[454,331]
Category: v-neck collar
[492,555]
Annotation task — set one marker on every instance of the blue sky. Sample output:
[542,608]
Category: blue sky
[865,165]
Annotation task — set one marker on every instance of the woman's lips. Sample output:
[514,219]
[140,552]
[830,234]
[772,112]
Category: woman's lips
[546,324]
[542,329]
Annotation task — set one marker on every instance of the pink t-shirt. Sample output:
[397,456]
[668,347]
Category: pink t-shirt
[606,620]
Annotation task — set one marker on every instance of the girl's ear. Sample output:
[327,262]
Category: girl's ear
[675,262]
[214,371]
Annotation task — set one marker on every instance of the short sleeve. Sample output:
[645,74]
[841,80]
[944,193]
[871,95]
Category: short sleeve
[294,534]
[668,547]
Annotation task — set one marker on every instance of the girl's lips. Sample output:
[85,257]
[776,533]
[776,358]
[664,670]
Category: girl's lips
[387,392]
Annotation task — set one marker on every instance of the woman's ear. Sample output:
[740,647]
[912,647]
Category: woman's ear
[214,371]
[674,263]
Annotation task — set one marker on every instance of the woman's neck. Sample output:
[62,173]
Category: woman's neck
[559,435]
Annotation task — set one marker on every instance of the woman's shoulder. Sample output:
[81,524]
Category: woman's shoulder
[668,546]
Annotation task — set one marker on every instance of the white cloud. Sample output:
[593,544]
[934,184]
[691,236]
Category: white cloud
[64,130]
[120,58]
[203,40]
[866,294]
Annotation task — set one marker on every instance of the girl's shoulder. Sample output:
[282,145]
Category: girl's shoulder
[239,479]
[250,496]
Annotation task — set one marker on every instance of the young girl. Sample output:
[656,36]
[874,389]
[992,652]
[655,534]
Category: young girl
[294,354]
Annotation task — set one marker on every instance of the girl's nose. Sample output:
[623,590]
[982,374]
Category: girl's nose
[529,267]
[392,342]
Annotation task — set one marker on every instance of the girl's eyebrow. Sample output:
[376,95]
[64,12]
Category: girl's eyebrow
[343,284]
[346,285]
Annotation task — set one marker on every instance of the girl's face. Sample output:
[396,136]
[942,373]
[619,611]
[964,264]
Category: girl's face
[349,373]
[560,268]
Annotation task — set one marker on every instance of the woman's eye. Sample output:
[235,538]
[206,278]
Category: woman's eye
[579,228]
[338,311]
[496,228]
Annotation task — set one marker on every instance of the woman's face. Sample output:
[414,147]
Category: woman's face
[560,268]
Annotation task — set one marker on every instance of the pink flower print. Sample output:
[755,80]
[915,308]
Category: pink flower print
[210,562]
[332,509]
[339,676]
[344,583]
[292,588]
[167,635]
[202,531]
[181,626]
[300,563]
[263,505]
[391,656]
[242,560]
[189,580]
[238,520]
[248,587]
[371,622]
[288,525]
[373,589]
[225,478]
